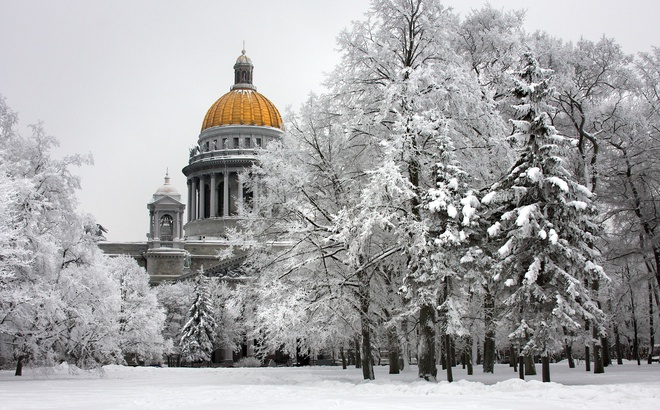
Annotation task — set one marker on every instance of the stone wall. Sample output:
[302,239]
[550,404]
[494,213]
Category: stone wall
[136,250]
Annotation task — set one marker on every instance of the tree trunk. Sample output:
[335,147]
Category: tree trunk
[545,368]
[489,340]
[468,359]
[569,355]
[651,328]
[513,359]
[393,342]
[358,356]
[530,367]
[521,367]
[19,366]
[607,357]
[597,339]
[634,320]
[343,357]
[617,344]
[636,344]
[448,355]
[441,348]
[587,351]
[587,358]
[598,357]
[403,342]
[426,344]
[367,364]
[478,352]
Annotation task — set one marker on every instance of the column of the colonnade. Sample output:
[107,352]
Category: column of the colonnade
[190,194]
[214,197]
[151,224]
[225,193]
[193,200]
[157,226]
[202,197]
[175,226]
[179,232]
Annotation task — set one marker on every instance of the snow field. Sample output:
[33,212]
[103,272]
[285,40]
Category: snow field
[119,387]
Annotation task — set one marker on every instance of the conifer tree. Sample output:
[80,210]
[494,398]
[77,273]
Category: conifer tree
[542,218]
[198,333]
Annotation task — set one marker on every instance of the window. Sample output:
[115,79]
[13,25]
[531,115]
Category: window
[236,142]
[248,143]
[215,145]
[258,141]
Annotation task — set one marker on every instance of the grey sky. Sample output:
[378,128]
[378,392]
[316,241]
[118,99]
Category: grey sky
[131,80]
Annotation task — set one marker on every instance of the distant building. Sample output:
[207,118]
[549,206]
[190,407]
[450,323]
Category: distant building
[236,126]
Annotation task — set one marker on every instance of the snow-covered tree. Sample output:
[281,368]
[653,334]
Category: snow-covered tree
[544,220]
[141,318]
[50,238]
[414,95]
[61,299]
[198,334]
[226,307]
[88,306]
[491,39]
[594,78]
[176,299]
[304,183]
[344,205]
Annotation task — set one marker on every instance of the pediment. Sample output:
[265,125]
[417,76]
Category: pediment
[165,200]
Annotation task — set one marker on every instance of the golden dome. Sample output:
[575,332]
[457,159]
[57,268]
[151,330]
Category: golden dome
[242,107]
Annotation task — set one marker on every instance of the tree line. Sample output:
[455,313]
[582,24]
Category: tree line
[60,298]
[462,186]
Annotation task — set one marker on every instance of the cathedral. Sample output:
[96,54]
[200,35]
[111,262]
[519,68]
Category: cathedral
[181,241]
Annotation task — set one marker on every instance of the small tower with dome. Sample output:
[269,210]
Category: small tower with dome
[165,247]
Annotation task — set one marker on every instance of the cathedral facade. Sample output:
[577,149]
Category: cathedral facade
[183,240]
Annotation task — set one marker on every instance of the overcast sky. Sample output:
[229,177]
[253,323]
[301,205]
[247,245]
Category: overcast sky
[131,80]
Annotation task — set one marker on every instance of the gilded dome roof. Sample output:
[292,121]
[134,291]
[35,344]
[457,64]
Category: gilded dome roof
[242,106]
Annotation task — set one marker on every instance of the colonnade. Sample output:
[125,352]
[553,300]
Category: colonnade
[214,195]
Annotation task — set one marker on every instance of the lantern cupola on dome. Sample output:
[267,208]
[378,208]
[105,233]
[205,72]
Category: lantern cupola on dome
[243,73]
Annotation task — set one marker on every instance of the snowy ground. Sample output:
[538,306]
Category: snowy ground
[117,387]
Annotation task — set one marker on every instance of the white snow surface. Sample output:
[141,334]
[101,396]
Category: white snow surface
[117,387]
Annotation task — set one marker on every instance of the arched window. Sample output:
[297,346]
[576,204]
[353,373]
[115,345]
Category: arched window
[166,228]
